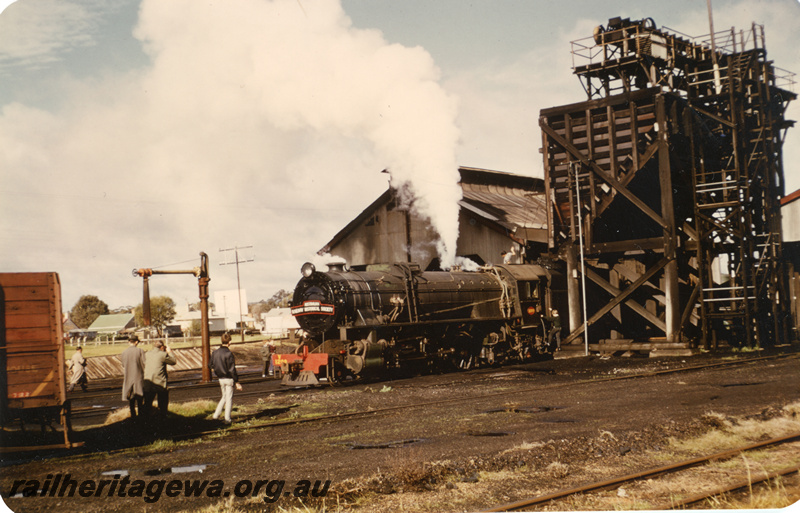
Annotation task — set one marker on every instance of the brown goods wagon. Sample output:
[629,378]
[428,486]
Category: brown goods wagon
[32,383]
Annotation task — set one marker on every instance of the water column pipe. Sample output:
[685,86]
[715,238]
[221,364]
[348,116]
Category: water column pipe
[202,278]
[576,167]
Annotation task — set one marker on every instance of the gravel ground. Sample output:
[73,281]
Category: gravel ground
[553,424]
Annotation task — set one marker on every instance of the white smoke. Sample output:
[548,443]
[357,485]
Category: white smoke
[256,122]
[322,262]
[466,264]
[302,67]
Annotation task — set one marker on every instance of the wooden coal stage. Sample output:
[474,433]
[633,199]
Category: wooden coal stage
[665,189]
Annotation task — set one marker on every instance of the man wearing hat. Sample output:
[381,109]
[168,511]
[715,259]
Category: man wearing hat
[155,376]
[133,375]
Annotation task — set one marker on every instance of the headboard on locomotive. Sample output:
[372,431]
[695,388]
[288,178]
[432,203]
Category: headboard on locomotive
[32,383]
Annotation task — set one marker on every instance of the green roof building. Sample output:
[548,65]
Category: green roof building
[112,323]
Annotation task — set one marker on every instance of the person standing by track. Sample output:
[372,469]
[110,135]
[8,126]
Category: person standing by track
[223,362]
[78,366]
[133,375]
[155,377]
[555,330]
[267,350]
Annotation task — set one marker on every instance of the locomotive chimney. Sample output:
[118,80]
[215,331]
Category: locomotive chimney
[336,267]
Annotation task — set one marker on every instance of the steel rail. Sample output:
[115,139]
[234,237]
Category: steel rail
[176,384]
[392,409]
[616,482]
[81,412]
[745,483]
[349,415]
[252,377]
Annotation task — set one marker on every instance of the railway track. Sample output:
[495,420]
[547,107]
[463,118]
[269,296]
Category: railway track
[241,423]
[338,417]
[278,418]
[110,387]
[562,495]
[111,393]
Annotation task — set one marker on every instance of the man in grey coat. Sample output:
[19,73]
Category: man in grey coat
[133,375]
[155,376]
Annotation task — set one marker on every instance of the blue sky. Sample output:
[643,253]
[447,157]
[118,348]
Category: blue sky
[139,133]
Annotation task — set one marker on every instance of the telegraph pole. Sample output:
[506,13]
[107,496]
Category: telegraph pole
[236,261]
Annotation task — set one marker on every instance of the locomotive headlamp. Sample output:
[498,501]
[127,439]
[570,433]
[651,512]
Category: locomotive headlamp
[308,269]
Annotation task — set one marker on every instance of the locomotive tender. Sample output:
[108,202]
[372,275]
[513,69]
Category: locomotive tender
[397,318]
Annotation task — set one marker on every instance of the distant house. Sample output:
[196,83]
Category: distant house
[278,323]
[68,325]
[185,318]
[227,306]
[110,326]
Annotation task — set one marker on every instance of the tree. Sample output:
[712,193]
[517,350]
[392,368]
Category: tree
[256,309]
[162,311]
[196,328]
[195,307]
[86,310]
[280,299]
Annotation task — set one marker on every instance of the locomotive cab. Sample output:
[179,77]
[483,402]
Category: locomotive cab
[531,291]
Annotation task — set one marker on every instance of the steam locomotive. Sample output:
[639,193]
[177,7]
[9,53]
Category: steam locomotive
[396,319]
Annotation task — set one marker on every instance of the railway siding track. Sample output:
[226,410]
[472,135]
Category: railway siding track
[189,383]
[661,471]
[421,434]
[344,416]
[258,421]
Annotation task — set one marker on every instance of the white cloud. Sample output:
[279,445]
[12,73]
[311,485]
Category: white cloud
[36,32]
[264,124]
[501,102]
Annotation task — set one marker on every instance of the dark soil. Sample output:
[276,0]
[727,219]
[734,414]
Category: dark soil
[564,414]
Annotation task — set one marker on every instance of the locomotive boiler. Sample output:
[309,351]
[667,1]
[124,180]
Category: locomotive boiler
[397,319]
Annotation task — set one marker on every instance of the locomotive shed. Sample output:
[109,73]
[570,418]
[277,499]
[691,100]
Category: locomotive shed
[585,414]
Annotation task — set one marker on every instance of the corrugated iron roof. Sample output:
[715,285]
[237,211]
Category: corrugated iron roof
[510,206]
[514,202]
[112,323]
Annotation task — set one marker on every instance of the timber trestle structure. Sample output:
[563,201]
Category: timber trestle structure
[664,190]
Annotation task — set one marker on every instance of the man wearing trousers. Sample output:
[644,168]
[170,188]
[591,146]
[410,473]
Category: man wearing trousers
[155,377]
[133,375]
[224,364]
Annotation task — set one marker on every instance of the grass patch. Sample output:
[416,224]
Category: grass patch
[523,447]
[198,408]
[161,446]
[769,495]
[195,409]
[716,440]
